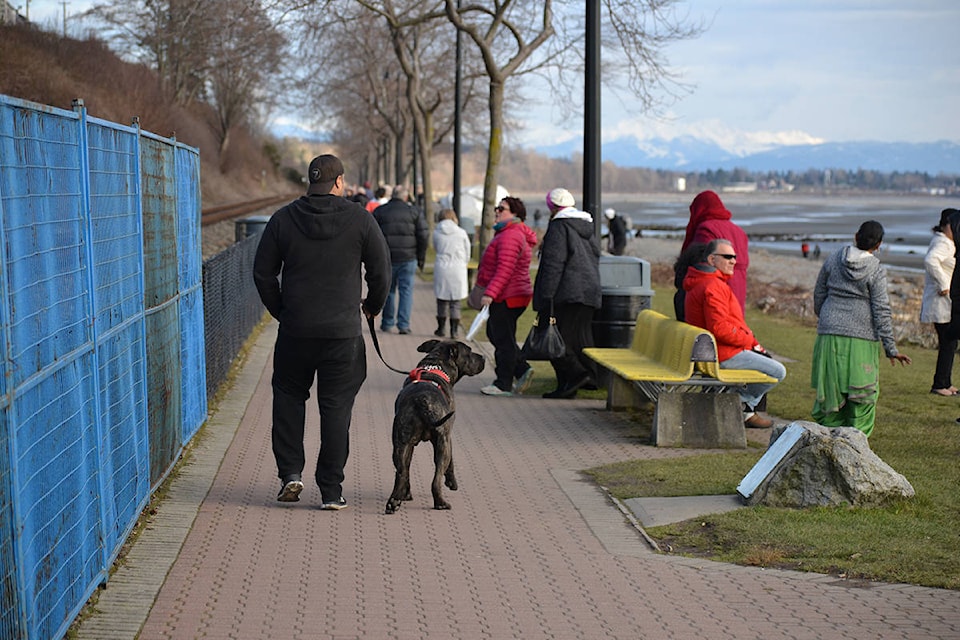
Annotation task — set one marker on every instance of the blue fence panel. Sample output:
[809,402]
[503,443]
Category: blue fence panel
[94,335]
[118,284]
[163,389]
[192,352]
[57,475]
[51,393]
[11,610]
[193,368]
[159,198]
[188,220]
[43,233]
[124,446]
[116,223]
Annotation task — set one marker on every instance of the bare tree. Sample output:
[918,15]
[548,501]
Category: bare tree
[374,97]
[245,52]
[507,34]
[170,35]
[525,36]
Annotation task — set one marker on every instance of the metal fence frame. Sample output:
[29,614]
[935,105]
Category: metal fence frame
[102,370]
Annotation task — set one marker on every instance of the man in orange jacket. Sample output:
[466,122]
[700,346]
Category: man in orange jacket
[711,304]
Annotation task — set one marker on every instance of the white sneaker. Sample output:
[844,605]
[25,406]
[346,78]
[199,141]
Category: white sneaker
[494,390]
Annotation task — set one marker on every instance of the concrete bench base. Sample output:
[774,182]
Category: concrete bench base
[699,420]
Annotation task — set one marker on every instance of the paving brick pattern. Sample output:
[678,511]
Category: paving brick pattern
[530,548]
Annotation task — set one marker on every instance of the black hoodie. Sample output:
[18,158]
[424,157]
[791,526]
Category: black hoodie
[317,244]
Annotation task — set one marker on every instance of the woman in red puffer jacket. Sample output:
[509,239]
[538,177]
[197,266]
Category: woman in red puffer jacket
[504,271]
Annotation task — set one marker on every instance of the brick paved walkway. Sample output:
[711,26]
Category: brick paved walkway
[529,550]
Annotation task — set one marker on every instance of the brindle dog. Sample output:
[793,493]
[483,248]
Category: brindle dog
[424,410]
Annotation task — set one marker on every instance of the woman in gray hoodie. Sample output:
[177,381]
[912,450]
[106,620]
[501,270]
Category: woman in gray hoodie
[853,311]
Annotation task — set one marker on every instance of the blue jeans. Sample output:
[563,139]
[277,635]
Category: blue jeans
[752,393]
[398,312]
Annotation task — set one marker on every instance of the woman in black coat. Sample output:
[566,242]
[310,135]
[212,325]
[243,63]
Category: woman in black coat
[569,278]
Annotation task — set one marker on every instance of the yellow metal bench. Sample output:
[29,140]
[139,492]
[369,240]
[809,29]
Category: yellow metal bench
[667,360]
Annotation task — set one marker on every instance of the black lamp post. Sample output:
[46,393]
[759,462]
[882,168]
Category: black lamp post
[591,116]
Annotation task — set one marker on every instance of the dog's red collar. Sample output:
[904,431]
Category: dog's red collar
[417,374]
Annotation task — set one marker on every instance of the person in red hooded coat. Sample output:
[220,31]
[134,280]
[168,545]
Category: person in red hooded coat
[710,220]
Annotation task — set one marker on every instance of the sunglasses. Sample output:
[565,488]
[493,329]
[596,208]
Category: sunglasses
[726,256]
[500,209]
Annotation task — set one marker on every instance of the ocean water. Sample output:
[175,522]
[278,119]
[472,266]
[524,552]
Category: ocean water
[781,224]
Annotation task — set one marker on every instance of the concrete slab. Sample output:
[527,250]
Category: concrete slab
[655,512]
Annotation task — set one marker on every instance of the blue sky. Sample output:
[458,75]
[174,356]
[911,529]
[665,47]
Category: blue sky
[785,71]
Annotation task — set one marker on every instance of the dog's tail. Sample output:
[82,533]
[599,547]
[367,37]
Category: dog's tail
[443,419]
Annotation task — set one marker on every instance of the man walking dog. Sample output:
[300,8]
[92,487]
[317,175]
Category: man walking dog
[318,244]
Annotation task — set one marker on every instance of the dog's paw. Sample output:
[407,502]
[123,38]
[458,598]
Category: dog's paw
[441,505]
[451,483]
[407,496]
[392,506]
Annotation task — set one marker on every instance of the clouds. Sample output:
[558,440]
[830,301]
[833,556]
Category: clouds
[812,70]
[841,71]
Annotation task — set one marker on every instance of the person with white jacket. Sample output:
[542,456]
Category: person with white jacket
[938,265]
[452,246]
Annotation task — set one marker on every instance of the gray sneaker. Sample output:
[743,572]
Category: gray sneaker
[336,505]
[523,382]
[290,491]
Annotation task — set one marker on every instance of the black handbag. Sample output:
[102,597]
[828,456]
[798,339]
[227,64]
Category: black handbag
[544,341]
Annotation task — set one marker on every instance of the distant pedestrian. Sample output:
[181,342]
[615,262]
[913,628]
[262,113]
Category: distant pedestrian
[452,247]
[407,235]
[617,232]
[805,249]
[938,265]
[380,196]
[816,252]
[321,244]
[853,322]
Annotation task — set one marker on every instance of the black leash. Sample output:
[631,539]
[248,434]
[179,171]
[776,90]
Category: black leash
[376,345]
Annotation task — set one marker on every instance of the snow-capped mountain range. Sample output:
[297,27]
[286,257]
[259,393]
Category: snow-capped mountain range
[693,153]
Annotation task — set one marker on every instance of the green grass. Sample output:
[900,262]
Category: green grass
[914,541]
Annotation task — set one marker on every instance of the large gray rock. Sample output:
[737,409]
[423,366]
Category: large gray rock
[829,467]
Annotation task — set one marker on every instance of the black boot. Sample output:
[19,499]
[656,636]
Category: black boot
[454,328]
[440,322]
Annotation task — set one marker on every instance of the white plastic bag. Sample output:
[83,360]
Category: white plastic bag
[482,316]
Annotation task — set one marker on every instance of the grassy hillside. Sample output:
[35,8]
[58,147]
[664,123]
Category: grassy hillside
[45,68]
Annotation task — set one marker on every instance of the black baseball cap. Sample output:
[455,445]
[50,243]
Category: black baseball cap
[324,171]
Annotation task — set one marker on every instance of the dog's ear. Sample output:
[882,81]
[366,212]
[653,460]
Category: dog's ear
[460,350]
[428,346]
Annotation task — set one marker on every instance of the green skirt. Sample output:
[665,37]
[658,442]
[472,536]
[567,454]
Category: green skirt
[846,377]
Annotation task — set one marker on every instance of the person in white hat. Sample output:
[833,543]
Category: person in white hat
[568,282]
[617,232]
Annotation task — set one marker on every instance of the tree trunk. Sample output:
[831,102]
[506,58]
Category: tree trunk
[495,146]
[425,147]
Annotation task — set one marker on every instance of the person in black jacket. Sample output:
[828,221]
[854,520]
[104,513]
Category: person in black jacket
[318,244]
[569,279]
[617,232]
[407,234]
